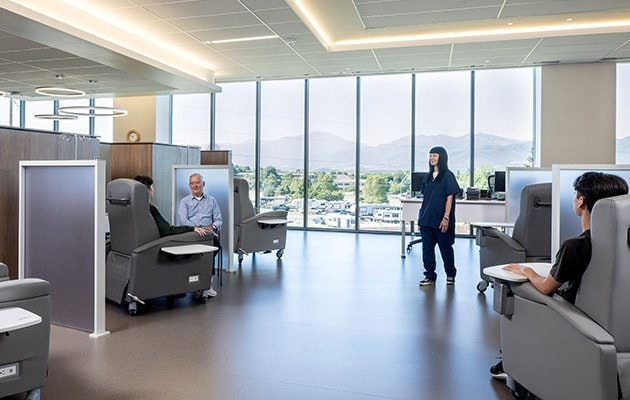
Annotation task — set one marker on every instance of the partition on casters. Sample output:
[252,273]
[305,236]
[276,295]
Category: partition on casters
[564,224]
[62,238]
[220,185]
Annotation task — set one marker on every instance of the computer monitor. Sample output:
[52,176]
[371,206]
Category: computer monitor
[499,181]
[416,181]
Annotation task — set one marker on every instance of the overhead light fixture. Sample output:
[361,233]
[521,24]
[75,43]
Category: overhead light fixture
[53,91]
[56,116]
[245,39]
[93,111]
[2,94]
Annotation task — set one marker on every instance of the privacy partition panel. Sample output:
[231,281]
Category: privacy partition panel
[564,223]
[62,238]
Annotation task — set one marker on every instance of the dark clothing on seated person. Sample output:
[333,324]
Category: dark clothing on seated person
[164,226]
[571,262]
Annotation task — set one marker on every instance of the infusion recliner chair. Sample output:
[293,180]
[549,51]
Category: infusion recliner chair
[139,268]
[531,237]
[24,338]
[562,351]
[256,232]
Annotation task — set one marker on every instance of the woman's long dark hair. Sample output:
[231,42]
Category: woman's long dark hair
[442,162]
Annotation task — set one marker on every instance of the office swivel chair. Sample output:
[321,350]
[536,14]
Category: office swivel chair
[139,268]
[24,335]
[256,232]
[530,240]
[562,351]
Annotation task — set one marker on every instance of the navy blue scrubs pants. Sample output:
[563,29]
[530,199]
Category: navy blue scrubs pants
[431,237]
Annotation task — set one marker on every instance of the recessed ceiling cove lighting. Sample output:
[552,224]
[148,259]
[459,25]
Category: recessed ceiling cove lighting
[59,91]
[93,111]
[56,116]
[245,39]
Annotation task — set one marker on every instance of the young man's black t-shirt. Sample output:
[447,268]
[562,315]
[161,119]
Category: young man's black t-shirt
[571,262]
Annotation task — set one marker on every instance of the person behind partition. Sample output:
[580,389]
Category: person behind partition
[200,209]
[574,254]
[436,217]
[164,226]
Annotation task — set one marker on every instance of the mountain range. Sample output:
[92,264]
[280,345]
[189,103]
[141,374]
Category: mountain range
[331,152]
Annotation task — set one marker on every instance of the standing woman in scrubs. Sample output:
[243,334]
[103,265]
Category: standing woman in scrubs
[436,217]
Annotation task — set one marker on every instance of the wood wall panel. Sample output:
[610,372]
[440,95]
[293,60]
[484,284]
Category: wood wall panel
[23,144]
[215,157]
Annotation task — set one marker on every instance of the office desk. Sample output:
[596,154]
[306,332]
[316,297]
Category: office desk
[465,211]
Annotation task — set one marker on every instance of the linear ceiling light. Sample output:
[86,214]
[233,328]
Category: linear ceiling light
[245,39]
[480,33]
[59,91]
[93,111]
[2,94]
[56,116]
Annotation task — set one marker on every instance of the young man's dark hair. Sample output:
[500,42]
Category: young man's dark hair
[598,185]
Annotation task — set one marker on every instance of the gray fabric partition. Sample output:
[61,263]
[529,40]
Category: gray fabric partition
[58,238]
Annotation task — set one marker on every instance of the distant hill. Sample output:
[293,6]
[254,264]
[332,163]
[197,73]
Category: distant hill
[328,151]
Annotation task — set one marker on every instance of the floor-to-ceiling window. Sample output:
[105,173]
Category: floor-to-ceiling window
[5,111]
[80,125]
[385,150]
[104,126]
[332,152]
[623,113]
[443,119]
[33,108]
[191,120]
[236,128]
[282,148]
[504,121]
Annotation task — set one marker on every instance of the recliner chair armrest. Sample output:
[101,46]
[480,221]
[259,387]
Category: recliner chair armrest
[265,215]
[497,234]
[555,351]
[576,317]
[23,289]
[174,240]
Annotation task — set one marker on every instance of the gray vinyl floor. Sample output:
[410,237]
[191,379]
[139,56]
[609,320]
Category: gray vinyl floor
[341,316]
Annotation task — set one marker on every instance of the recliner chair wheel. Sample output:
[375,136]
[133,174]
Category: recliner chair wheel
[204,296]
[34,394]
[279,253]
[133,308]
[240,259]
[482,286]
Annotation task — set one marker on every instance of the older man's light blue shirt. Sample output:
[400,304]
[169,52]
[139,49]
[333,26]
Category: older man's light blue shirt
[200,212]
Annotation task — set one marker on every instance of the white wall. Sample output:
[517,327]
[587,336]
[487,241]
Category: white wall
[577,121]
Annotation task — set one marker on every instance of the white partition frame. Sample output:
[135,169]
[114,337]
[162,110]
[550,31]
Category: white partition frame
[564,223]
[219,184]
[516,178]
[65,236]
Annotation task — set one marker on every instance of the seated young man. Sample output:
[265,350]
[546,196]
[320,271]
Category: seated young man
[574,254]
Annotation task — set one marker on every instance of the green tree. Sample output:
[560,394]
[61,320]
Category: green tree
[324,188]
[375,189]
[270,180]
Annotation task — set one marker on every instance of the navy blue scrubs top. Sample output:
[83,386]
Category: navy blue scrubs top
[435,192]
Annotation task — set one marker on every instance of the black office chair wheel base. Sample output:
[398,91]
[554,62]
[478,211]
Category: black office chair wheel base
[482,286]
[280,253]
[133,308]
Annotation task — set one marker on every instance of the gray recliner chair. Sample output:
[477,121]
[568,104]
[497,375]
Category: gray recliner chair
[24,350]
[562,351]
[530,240]
[137,267]
[256,232]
